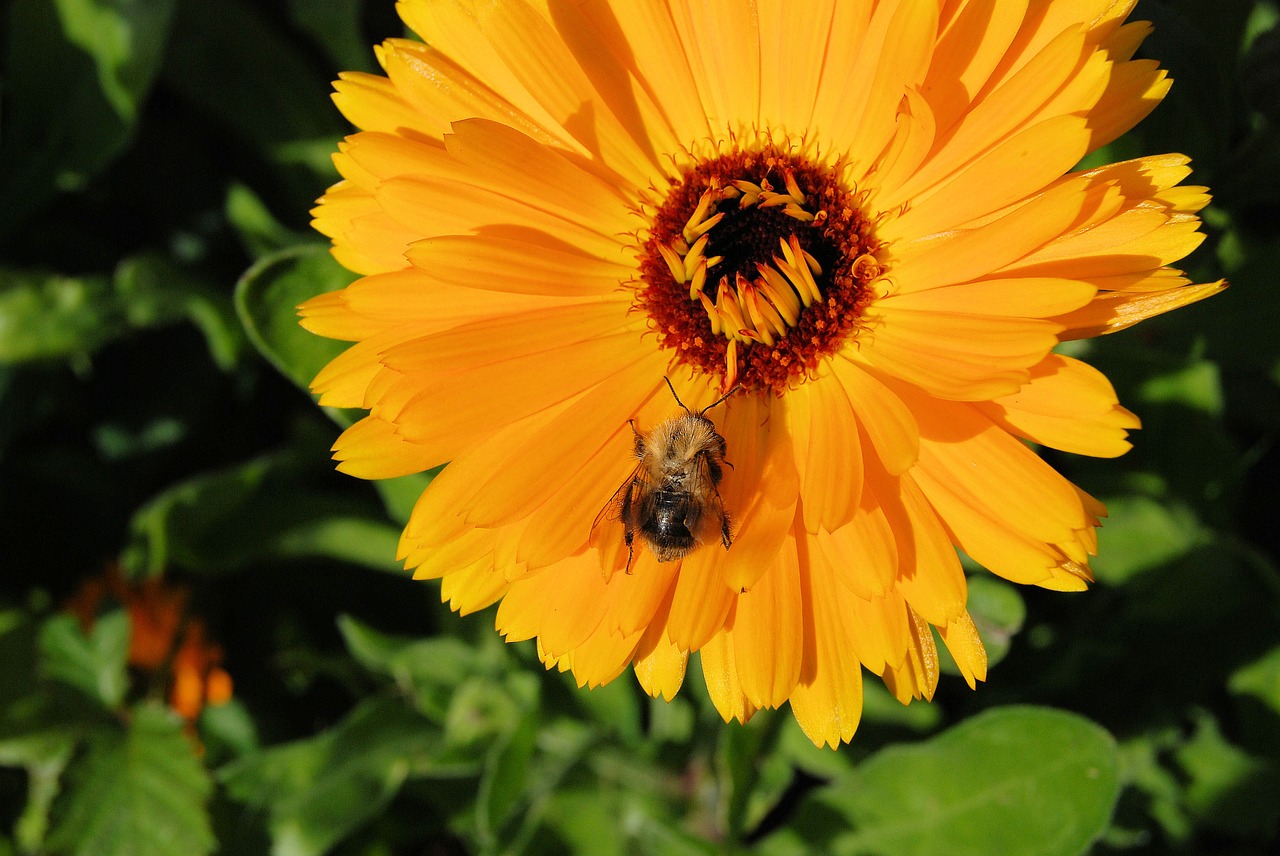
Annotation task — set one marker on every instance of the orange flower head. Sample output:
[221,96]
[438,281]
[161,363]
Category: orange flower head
[165,643]
[857,218]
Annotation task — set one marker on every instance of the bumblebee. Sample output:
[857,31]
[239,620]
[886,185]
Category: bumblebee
[671,501]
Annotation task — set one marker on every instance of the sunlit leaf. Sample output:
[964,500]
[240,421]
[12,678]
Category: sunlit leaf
[504,781]
[92,662]
[137,791]
[1141,533]
[1260,680]
[49,316]
[1014,780]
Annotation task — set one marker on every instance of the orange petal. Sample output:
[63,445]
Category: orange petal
[760,492]
[1066,405]
[371,449]
[863,554]
[1114,311]
[515,266]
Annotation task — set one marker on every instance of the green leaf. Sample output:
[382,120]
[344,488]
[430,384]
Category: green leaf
[1015,780]
[48,316]
[1257,690]
[44,316]
[879,707]
[266,507]
[267,299]
[260,232]
[78,72]
[1197,386]
[427,670]
[1228,789]
[1142,533]
[44,756]
[335,24]
[615,707]
[154,292]
[139,791]
[504,782]
[93,663]
[317,791]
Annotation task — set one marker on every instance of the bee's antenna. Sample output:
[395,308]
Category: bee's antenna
[705,409]
[675,396]
[719,400]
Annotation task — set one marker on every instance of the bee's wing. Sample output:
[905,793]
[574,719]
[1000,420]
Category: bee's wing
[701,486]
[612,541]
[613,508]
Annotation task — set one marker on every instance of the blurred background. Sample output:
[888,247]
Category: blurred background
[205,642]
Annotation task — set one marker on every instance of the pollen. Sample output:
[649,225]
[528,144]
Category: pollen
[757,263]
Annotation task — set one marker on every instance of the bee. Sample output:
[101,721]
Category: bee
[672,500]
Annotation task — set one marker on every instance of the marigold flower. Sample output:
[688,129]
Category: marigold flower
[859,214]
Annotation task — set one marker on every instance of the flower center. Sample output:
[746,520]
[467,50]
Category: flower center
[757,264]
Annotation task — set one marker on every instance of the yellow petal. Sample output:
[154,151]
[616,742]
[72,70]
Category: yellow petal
[887,422]
[722,43]
[1114,311]
[984,465]
[917,676]
[828,453]
[929,572]
[760,492]
[862,554]
[962,640]
[659,663]
[701,601]
[720,671]
[959,357]
[1013,169]
[768,632]
[1025,297]
[827,702]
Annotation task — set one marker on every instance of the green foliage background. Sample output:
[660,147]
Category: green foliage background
[157,161]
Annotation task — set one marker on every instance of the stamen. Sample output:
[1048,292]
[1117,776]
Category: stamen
[766,317]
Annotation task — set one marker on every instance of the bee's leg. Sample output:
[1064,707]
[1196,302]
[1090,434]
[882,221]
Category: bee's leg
[630,539]
[726,535]
[639,441]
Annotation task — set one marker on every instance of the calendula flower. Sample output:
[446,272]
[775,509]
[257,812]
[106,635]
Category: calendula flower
[858,216]
[167,645]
